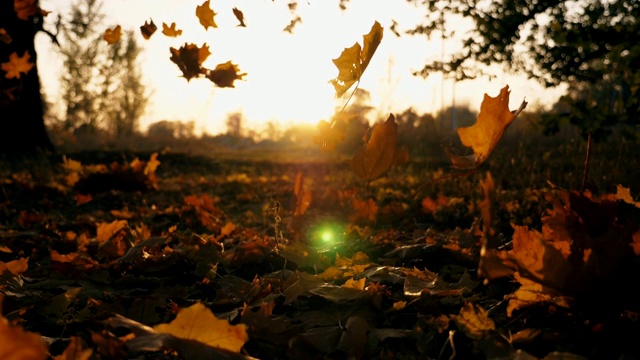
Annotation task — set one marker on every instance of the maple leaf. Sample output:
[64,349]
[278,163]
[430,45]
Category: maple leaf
[328,137]
[171,31]
[484,135]
[17,344]
[225,74]
[148,29]
[4,37]
[17,65]
[353,61]
[197,322]
[112,36]
[303,198]
[240,16]
[474,321]
[379,153]
[189,59]
[206,15]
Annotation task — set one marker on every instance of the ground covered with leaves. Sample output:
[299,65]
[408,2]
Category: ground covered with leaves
[164,256]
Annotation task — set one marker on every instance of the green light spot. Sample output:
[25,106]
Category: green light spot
[327,236]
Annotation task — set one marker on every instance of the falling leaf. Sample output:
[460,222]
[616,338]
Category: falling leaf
[17,344]
[474,321]
[379,153]
[171,31]
[303,198]
[206,15]
[197,322]
[148,29]
[484,135]
[225,74]
[4,37]
[353,61]
[17,65]
[240,16]
[112,36]
[189,59]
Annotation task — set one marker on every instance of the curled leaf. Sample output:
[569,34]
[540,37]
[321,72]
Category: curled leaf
[17,65]
[189,59]
[171,31]
[148,29]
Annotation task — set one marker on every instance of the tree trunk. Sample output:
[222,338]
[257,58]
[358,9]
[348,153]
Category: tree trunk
[22,127]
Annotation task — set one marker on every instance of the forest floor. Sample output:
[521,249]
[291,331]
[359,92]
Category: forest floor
[330,269]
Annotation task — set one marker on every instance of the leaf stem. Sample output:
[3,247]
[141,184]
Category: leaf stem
[333,122]
[586,163]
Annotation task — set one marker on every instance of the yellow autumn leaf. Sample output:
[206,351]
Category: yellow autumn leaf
[206,15]
[474,321]
[353,61]
[484,135]
[355,284]
[197,322]
[17,65]
[148,29]
[225,74]
[171,31]
[112,36]
[17,344]
[379,153]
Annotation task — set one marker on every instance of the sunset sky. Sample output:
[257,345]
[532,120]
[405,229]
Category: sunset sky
[288,74]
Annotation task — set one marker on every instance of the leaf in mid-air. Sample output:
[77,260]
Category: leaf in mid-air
[189,59]
[112,36]
[17,65]
[197,322]
[353,61]
[206,15]
[379,153]
[240,16]
[171,31]
[484,135]
[4,37]
[225,74]
[148,29]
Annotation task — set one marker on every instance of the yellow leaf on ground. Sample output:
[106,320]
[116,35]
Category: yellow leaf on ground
[474,321]
[197,322]
[189,58]
[17,344]
[484,135]
[112,36]
[206,15]
[225,74]
[379,153]
[17,65]
[355,284]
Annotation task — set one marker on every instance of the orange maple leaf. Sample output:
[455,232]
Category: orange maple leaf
[206,15]
[148,29]
[484,135]
[225,74]
[171,31]
[474,321]
[240,16]
[379,153]
[17,65]
[112,36]
[328,136]
[353,61]
[197,322]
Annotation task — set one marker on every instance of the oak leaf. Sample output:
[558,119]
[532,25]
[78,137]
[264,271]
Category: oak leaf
[148,29]
[240,16]
[225,74]
[17,344]
[171,31]
[17,65]
[379,153]
[206,15]
[112,36]
[484,135]
[4,37]
[197,322]
[353,61]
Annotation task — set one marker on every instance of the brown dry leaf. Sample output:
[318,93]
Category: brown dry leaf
[189,59]
[474,321]
[17,344]
[75,351]
[353,61]
[303,198]
[484,135]
[206,15]
[4,37]
[379,153]
[225,74]
[16,267]
[355,284]
[148,29]
[17,65]
[106,230]
[197,322]
[112,36]
[171,30]
[240,16]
